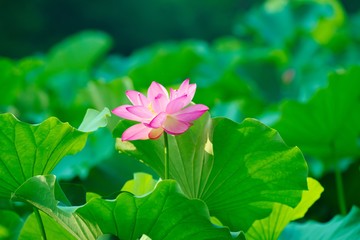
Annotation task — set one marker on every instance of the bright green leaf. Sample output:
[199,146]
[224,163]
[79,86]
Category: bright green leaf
[53,230]
[142,184]
[340,227]
[239,170]
[309,197]
[164,214]
[45,199]
[30,150]
[145,237]
[271,227]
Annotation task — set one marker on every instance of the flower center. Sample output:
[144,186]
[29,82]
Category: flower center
[150,107]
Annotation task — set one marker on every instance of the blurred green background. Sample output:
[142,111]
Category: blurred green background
[28,27]
[248,59]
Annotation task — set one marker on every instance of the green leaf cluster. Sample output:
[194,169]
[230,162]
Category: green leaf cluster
[227,165]
[189,202]
[291,64]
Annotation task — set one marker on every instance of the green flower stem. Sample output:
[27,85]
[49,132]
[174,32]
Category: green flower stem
[166,156]
[340,191]
[40,222]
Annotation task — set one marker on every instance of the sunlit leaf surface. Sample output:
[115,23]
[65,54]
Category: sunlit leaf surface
[142,184]
[164,214]
[271,227]
[53,230]
[46,198]
[30,150]
[239,170]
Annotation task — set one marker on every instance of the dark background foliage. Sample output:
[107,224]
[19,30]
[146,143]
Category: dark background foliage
[28,27]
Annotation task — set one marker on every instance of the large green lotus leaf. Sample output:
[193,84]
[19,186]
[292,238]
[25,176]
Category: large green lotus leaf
[10,225]
[271,227]
[327,126]
[239,170]
[163,214]
[28,150]
[43,193]
[53,230]
[340,227]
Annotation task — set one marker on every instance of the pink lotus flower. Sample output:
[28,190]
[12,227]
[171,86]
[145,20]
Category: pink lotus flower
[159,112]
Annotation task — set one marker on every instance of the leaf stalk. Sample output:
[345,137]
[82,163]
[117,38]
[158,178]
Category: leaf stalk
[166,156]
[340,190]
[40,223]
